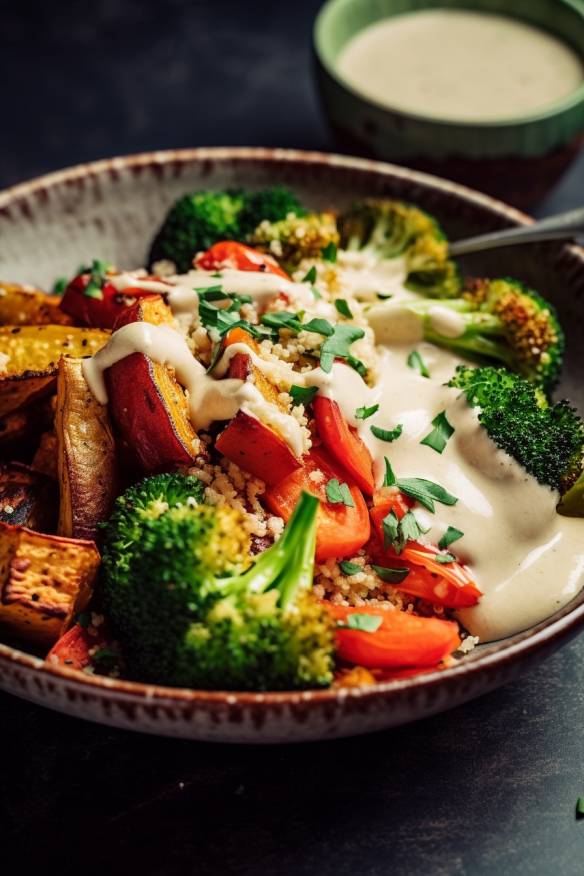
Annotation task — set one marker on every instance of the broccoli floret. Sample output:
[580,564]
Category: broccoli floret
[194,223]
[186,613]
[198,220]
[392,229]
[497,320]
[271,205]
[296,238]
[547,440]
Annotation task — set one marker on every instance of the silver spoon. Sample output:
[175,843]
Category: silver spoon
[563,226]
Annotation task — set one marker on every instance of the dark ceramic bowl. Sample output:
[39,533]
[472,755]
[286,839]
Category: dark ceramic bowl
[109,209]
[518,159]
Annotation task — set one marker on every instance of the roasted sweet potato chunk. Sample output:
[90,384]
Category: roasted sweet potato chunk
[148,405]
[27,497]
[21,428]
[29,356]
[45,458]
[86,455]
[45,580]
[24,305]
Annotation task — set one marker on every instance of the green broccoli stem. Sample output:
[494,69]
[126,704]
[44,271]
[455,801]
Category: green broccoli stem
[288,565]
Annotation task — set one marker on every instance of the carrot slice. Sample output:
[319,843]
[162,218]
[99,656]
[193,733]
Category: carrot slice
[401,640]
[343,443]
[342,529]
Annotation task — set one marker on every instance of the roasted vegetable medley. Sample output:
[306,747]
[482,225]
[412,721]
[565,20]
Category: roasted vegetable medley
[284,455]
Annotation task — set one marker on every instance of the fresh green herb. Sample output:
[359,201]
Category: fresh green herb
[343,308]
[580,807]
[365,623]
[425,492]
[359,366]
[59,286]
[211,293]
[93,290]
[416,362]
[339,493]
[215,356]
[348,568]
[223,319]
[445,558]
[410,527]
[316,293]
[310,276]
[302,395]
[389,478]
[283,319]
[438,438]
[364,413]
[451,535]
[384,296]
[387,434]
[391,576]
[337,345]
[391,533]
[329,253]
[217,274]
[321,326]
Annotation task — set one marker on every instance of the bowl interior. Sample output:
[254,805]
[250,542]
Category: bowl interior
[340,20]
[110,210]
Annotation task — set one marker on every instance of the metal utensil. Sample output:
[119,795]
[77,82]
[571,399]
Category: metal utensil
[564,226]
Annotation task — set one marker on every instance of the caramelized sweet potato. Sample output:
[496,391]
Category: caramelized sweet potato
[29,356]
[21,428]
[45,580]
[45,458]
[257,449]
[27,497]
[148,405]
[86,455]
[241,366]
[24,305]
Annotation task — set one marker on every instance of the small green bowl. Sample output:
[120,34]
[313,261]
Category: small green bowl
[516,159]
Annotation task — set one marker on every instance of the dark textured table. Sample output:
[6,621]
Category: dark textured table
[489,788]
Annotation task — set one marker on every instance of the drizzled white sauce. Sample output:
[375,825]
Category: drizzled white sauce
[460,65]
[527,560]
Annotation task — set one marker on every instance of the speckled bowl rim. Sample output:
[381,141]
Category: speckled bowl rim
[564,106]
[561,626]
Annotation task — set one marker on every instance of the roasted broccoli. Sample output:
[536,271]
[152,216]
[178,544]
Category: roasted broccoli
[296,238]
[392,229]
[188,611]
[497,320]
[547,440]
[198,220]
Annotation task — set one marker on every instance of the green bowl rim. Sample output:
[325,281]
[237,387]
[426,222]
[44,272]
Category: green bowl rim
[562,106]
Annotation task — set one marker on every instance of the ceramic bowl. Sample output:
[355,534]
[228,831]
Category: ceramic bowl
[110,209]
[518,159]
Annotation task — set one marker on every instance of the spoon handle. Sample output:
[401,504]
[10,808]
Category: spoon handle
[564,225]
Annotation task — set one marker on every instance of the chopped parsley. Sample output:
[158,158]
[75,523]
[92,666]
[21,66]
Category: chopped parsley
[438,438]
[411,528]
[580,807]
[365,623]
[282,319]
[212,293]
[97,277]
[445,558]
[92,290]
[321,326]
[396,532]
[348,568]
[389,477]
[389,575]
[416,362]
[451,535]
[364,413]
[359,366]
[387,434]
[425,492]
[329,253]
[338,493]
[337,345]
[384,296]
[343,308]
[302,395]
[59,286]
[310,276]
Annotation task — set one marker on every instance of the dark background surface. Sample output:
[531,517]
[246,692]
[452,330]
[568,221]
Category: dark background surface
[489,788]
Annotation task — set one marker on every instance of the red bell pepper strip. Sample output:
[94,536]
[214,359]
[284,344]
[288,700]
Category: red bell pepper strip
[343,443]
[97,312]
[447,584]
[401,640]
[74,648]
[231,254]
[341,529]
[257,449]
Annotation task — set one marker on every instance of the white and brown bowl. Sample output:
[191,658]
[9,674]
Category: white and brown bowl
[109,209]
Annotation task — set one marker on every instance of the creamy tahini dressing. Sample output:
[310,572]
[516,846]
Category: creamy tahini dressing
[460,65]
[527,560]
